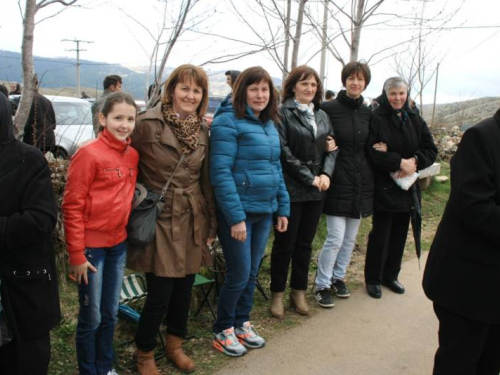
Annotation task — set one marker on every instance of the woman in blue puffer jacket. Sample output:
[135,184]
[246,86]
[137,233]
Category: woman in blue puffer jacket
[245,172]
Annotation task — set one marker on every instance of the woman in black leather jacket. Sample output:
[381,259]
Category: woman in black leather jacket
[307,169]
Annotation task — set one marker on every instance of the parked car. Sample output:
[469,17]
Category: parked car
[73,123]
[213,103]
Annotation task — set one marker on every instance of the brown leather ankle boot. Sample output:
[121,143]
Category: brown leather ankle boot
[174,352]
[277,309]
[146,363]
[299,302]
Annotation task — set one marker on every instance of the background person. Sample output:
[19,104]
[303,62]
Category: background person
[462,274]
[398,141]
[96,205]
[307,169]
[112,83]
[41,123]
[350,196]
[329,95]
[248,182]
[231,77]
[187,224]
[28,215]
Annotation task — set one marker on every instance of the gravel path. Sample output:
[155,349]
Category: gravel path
[395,335]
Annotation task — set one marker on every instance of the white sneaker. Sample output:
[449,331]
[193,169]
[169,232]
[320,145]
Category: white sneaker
[248,336]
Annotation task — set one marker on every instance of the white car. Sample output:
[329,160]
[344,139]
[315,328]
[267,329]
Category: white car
[73,124]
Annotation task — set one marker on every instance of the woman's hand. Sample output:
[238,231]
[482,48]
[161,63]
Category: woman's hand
[317,182]
[324,182]
[281,224]
[239,231]
[407,167]
[210,241]
[330,144]
[80,272]
[380,146]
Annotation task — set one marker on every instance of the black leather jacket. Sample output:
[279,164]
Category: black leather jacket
[303,155]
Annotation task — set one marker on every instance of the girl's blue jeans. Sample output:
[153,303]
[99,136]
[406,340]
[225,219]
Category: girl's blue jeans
[242,267]
[99,309]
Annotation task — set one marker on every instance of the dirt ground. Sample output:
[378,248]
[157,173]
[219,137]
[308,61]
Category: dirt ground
[395,335]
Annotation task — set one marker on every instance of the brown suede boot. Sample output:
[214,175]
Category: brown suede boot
[146,363]
[175,353]
[299,302]
[277,309]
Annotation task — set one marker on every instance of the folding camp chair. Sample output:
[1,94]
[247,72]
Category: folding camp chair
[219,269]
[202,282]
[134,289]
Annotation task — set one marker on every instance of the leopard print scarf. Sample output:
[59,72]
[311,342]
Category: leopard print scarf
[187,131]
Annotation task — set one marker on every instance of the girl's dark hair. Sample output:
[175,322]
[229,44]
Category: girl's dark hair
[249,77]
[184,74]
[302,73]
[113,99]
[356,67]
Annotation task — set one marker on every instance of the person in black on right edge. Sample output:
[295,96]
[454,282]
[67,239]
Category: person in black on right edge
[408,146]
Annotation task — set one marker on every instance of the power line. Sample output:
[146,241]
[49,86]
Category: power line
[77,41]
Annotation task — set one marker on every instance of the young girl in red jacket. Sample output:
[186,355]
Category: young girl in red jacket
[96,206]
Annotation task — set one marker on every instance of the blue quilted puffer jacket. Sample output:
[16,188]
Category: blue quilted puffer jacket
[245,168]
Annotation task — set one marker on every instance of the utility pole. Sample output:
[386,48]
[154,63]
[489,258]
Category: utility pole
[77,41]
[323,47]
[435,94]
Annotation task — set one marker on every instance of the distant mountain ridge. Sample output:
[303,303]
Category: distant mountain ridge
[55,73]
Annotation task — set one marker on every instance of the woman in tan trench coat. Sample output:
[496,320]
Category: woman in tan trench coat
[187,223]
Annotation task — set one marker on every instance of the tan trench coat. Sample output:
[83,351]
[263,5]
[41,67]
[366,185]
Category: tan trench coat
[188,217]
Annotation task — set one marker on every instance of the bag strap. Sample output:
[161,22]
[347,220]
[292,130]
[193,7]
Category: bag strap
[165,188]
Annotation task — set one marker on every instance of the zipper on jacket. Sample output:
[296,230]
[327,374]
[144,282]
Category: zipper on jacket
[114,169]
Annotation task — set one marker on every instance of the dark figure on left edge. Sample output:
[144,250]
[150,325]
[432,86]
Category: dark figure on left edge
[462,274]
[398,141]
[28,215]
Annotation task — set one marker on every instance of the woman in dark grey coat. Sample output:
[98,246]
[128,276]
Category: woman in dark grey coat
[307,169]
[27,268]
[350,196]
[410,148]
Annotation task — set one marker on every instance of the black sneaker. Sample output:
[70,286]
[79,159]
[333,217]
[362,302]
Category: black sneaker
[324,298]
[340,289]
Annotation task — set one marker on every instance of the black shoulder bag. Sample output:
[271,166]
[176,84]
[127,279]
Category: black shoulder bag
[146,207]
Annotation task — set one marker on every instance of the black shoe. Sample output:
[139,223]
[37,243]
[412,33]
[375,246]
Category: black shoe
[374,290]
[394,285]
[324,298]
[340,289]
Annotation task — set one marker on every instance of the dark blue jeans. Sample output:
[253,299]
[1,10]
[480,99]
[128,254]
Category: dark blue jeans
[99,308]
[242,266]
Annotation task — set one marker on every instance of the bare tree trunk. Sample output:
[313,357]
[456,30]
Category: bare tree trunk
[28,68]
[298,33]
[357,26]
[287,41]
[179,27]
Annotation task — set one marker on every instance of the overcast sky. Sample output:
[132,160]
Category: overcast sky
[469,55]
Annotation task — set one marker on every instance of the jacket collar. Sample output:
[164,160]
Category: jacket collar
[167,135]
[106,137]
[496,117]
[290,105]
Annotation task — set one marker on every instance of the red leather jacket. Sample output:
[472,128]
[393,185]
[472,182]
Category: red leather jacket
[98,196]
